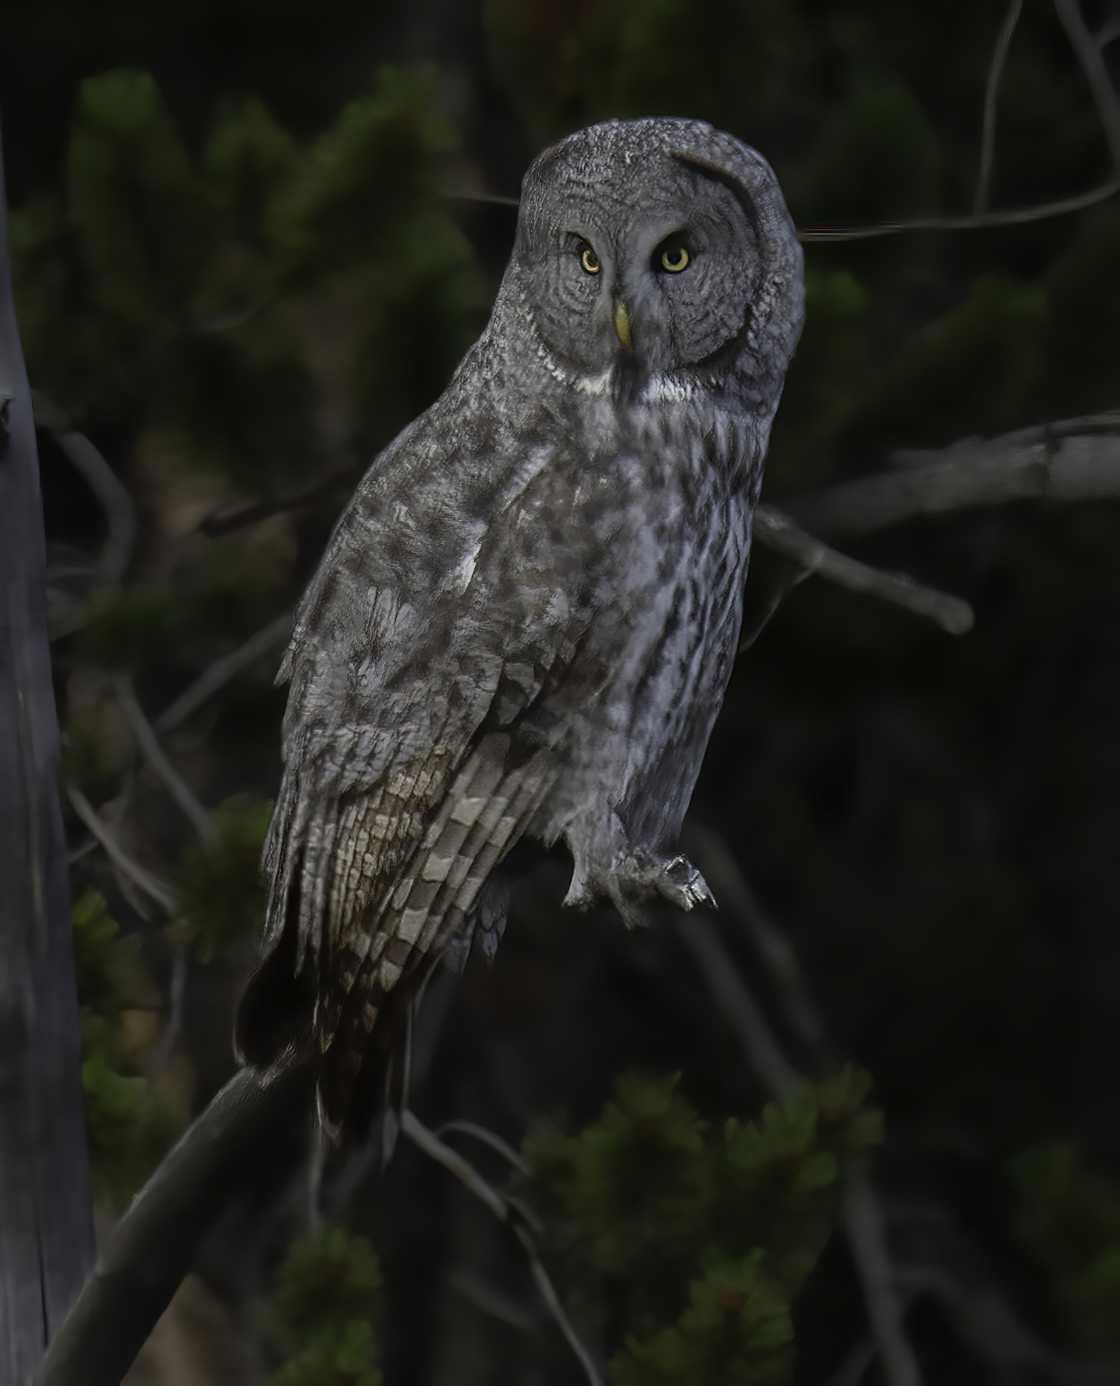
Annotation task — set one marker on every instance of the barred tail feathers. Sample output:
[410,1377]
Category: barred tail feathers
[486,810]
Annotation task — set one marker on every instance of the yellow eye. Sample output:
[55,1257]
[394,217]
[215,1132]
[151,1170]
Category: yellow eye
[590,261]
[674,259]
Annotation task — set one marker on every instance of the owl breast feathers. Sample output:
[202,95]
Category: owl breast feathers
[525,620]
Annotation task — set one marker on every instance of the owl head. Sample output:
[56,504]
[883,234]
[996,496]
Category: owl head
[663,249]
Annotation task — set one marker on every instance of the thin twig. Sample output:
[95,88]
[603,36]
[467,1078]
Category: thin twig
[178,993]
[480,1133]
[552,1300]
[1091,59]
[740,906]
[216,675]
[110,492]
[780,533]
[490,1301]
[496,199]
[863,1219]
[991,98]
[199,817]
[741,1011]
[149,883]
[854,1366]
[862,1212]
[504,1210]
[1018,216]
[985,1321]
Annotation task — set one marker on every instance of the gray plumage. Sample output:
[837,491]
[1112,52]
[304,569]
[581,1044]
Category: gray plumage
[525,620]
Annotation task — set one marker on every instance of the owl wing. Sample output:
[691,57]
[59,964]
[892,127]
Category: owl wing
[424,639]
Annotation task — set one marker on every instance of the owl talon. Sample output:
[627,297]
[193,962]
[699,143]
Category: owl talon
[633,877]
[681,883]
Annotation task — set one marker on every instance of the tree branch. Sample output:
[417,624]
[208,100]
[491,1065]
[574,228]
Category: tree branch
[991,96]
[1091,59]
[1070,460]
[1017,216]
[108,489]
[200,818]
[215,676]
[507,1211]
[862,1213]
[780,533]
[147,881]
[863,1220]
[154,1244]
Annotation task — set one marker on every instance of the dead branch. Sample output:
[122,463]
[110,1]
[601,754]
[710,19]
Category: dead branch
[1069,460]
[991,95]
[780,533]
[147,881]
[507,1211]
[215,676]
[154,1244]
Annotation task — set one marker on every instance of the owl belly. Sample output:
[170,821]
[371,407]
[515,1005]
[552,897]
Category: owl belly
[664,636]
[685,667]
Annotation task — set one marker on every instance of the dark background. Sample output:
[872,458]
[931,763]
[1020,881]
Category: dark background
[239,294]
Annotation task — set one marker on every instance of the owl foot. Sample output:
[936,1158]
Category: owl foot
[633,877]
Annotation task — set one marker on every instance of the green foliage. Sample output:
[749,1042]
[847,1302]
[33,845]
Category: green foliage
[316,1323]
[128,1130]
[650,1204]
[357,192]
[642,1157]
[736,1331]
[1070,1218]
[107,965]
[173,294]
[973,368]
[568,65]
[220,890]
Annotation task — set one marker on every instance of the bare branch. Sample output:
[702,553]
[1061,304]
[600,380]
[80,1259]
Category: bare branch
[863,1216]
[490,1300]
[741,1011]
[740,906]
[1091,58]
[504,1210]
[466,195]
[985,1321]
[780,533]
[148,882]
[863,1219]
[1017,216]
[1108,33]
[1073,459]
[178,993]
[154,1244]
[200,818]
[991,96]
[108,489]
[215,676]
[480,1133]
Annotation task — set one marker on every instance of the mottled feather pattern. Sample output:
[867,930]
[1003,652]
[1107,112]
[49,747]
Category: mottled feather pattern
[525,620]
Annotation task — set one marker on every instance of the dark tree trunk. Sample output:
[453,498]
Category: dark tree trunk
[46,1232]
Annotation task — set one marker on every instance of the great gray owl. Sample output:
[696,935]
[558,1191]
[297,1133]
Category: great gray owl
[525,620]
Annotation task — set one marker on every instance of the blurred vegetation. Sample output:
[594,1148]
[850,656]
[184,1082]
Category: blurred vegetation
[238,273]
[687,1243]
[130,1129]
[317,1323]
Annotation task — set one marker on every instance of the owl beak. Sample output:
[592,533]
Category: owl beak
[622,324]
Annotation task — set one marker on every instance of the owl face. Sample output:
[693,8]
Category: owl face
[641,243]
